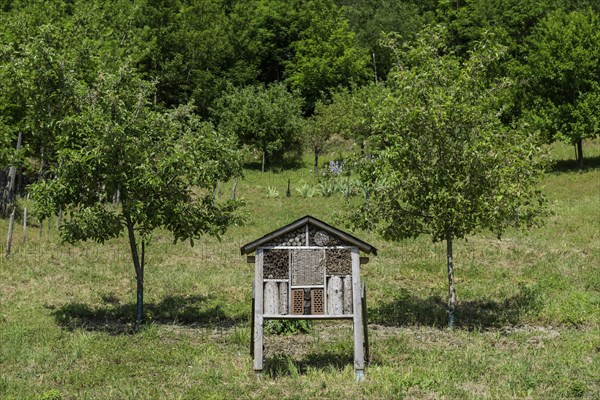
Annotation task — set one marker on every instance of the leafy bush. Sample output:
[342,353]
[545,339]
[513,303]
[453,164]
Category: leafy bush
[287,327]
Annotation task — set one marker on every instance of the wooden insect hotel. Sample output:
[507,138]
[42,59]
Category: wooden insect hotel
[309,270]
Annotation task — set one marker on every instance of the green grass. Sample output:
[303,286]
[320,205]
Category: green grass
[528,317]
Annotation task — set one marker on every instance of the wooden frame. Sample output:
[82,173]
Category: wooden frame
[338,290]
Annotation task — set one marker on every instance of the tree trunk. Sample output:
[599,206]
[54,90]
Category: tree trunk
[264,159]
[451,289]
[139,268]
[374,65]
[59,218]
[579,153]
[235,181]
[316,164]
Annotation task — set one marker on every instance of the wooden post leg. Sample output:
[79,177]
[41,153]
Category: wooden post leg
[252,324]
[365,322]
[258,313]
[258,344]
[359,357]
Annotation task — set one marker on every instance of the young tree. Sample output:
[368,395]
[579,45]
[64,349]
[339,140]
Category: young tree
[563,74]
[268,119]
[326,55]
[164,165]
[349,114]
[446,166]
[319,129]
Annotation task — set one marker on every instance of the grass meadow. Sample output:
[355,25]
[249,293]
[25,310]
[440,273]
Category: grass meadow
[528,322]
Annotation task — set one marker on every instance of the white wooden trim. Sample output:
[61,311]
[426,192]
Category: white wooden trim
[307,286]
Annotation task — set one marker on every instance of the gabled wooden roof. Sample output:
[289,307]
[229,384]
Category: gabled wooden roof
[363,246]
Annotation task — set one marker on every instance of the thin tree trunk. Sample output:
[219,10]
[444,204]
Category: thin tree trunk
[316,164]
[139,270]
[42,163]
[25,225]
[347,188]
[288,193]
[264,160]
[11,225]
[451,288]
[235,182]
[580,153]
[374,65]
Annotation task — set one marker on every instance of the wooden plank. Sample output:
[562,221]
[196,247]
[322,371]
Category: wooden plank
[304,316]
[365,322]
[252,325]
[359,358]
[258,312]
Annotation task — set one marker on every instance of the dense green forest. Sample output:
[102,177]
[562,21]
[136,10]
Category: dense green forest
[285,62]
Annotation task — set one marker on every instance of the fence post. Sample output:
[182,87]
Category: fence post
[11,225]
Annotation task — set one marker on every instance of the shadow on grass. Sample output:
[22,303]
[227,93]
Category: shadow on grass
[570,165]
[407,309]
[284,365]
[114,318]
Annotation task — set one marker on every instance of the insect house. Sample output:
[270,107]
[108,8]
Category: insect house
[309,270]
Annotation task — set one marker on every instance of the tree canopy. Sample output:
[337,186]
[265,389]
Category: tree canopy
[443,163]
[162,164]
[563,73]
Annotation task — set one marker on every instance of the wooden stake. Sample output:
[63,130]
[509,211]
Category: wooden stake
[25,225]
[11,225]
